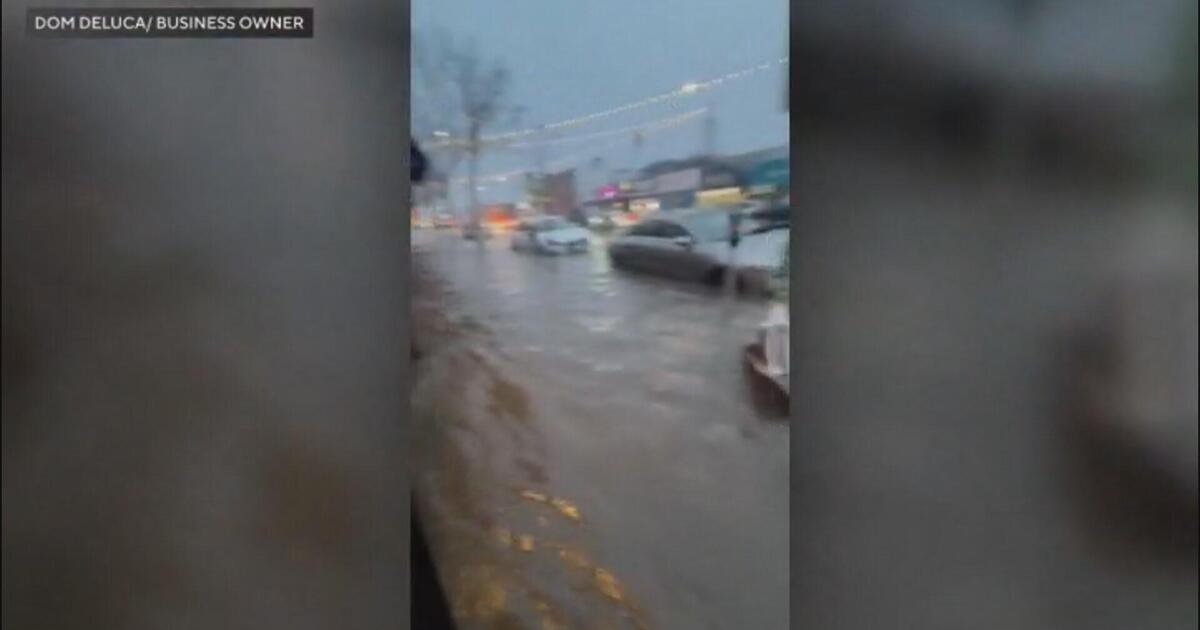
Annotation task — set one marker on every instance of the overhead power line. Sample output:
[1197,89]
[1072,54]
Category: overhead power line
[686,90]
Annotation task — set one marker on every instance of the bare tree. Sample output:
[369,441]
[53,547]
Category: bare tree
[435,104]
[457,97]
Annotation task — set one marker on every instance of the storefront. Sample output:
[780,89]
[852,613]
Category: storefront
[761,175]
[720,186]
[665,191]
[770,179]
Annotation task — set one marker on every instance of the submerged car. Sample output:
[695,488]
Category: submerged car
[549,235]
[699,246]
[768,354]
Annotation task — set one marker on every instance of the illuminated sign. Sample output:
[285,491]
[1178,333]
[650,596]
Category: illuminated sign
[643,206]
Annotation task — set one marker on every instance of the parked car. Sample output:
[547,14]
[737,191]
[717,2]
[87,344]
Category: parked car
[768,355]
[444,220]
[697,245]
[549,235]
[600,222]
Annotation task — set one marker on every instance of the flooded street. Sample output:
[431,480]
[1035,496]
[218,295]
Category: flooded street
[593,452]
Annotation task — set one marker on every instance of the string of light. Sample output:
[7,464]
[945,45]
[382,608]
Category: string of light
[686,90]
[649,128]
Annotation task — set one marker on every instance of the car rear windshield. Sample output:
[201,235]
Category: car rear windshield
[546,225]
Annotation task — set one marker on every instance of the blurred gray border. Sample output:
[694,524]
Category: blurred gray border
[162,199]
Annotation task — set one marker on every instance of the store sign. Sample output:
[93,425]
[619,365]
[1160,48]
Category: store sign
[719,196]
[643,206]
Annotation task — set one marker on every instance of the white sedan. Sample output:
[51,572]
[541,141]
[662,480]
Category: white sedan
[550,235]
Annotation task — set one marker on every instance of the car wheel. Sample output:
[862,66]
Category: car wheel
[715,276]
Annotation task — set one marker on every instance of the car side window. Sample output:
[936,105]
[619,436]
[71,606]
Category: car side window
[672,230]
[646,228]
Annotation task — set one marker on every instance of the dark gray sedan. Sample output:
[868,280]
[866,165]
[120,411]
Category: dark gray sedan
[695,245]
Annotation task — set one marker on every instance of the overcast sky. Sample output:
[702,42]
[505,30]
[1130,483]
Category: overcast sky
[573,57]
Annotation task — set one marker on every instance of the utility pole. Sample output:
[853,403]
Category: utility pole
[708,144]
[539,151]
[595,175]
[473,147]
[638,139]
[539,160]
